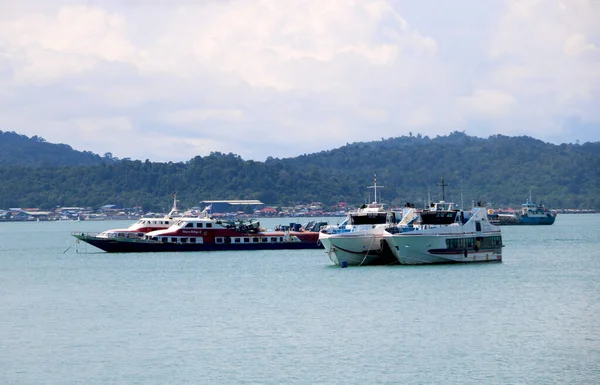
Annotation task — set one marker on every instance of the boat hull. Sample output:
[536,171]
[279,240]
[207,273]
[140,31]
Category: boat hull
[145,246]
[416,249]
[357,249]
[523,220]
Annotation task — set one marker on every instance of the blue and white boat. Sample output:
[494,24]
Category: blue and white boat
[531,214]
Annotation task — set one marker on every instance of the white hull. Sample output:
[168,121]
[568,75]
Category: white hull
[414,249]
[358,240]
[357,248]
[469,238]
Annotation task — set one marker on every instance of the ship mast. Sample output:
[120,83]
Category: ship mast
[530,200]
[174,208]
[443,184]
[375,186]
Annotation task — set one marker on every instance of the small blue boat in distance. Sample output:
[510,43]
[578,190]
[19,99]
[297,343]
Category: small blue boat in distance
[531,214]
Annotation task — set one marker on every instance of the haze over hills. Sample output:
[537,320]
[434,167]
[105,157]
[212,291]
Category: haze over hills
[500,170]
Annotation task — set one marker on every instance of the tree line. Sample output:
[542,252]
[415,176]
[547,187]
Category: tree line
[500,170]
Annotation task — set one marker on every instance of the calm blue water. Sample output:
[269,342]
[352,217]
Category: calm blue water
[291,317]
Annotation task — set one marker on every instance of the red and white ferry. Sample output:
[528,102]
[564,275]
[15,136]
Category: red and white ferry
[206,233]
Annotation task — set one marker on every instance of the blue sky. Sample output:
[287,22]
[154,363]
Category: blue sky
[169,80]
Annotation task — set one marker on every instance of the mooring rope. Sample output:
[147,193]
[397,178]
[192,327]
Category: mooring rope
[69,248]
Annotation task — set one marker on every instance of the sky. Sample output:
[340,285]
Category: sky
[171,80]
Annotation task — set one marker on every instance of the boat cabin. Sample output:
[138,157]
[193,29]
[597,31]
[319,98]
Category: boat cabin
[371,214]
[441,213]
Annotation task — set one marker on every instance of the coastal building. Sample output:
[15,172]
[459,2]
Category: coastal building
[232,206]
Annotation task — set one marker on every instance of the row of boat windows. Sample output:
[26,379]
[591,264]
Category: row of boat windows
[198,225]
[147,222]
[177,240]
[121,235]
[249,240]
[220,239]
[495,240]
[465,243]
[460,243]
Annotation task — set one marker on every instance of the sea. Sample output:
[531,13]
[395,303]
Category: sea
[71,314]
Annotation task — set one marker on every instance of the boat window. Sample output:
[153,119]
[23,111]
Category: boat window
[189,224]
[495,240]
[209,225]
[121,235]
[199,225]
[273,239]
[246,240]
[173,239]
[219,240]
[236,240]
[369,219]
[280,239]
[192,240]
[183,240]
[255,239]
[265,239]
[165,239]
[477,226]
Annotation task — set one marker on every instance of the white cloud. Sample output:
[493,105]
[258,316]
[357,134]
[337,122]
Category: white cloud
[200,114]
[544,53]
[93,128]
[577,44]
[47,48]
[421,117]
[487,104]
[271,78]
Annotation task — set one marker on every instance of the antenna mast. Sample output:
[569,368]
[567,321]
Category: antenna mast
[375,186]
[443,184]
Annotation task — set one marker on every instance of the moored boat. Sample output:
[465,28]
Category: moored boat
[530,214]
[142,226]
[209,234]
[358,240]
[444,234]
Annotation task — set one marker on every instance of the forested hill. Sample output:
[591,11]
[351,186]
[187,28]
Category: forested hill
[500,170]
[20,150]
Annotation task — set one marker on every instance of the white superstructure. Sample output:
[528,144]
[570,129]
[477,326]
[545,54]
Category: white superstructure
[442,234]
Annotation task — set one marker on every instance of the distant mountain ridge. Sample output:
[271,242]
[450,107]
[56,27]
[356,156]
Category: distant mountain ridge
[20,150]
[500,170]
